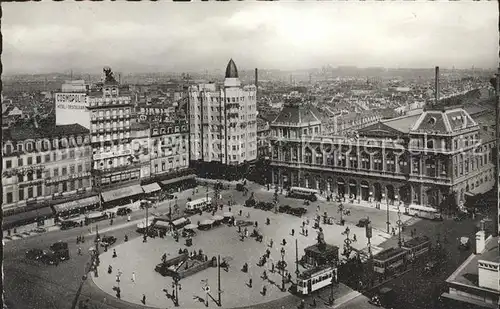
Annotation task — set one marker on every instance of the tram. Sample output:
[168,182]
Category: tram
[389,261]
[424,212]
[417,246]
[316,278]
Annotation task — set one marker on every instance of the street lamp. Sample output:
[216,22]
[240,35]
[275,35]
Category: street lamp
[388,223]
[177,287]
[341,210]
[283,269]
[400,224]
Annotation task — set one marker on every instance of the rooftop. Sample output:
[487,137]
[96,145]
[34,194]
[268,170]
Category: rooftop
[29,131]
[467,273]
[297,114]
[403,124]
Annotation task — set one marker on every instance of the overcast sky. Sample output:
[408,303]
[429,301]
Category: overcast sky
[142,37]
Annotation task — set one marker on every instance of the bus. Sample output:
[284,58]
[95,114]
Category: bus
[95,217]
[425,212]
[303,193]
[316,278]
[199,204]
[389,261]
[417,246]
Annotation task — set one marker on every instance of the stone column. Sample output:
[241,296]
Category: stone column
[384,160]
[396,163]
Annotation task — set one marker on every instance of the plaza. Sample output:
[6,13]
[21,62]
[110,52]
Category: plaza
[141,258]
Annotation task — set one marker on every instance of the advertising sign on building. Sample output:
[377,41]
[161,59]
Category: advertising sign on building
[72,108]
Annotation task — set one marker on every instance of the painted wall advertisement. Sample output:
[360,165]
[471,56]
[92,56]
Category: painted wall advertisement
[72,108]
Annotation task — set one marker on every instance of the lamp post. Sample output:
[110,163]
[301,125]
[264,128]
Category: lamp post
[283,269]
[145,237]
[341,211]
[400,224]
[177,286]
[388,223]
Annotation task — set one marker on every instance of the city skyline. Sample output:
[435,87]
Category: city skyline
[175,37]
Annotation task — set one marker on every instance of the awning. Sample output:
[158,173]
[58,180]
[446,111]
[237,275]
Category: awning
[121,193]
[191,226]
[169,181]
[152,187]
[25,217]
[207,222]
[162,224]
[472,301]
[84,202]
[217,218]
[179,221]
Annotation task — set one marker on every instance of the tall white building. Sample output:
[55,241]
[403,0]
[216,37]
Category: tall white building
[223,121]
[71,104]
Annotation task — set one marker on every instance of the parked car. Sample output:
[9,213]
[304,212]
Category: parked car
[69,224]
[34,254]
[299,212]
[363,222]
[123,211]
[284,209]
[108,240]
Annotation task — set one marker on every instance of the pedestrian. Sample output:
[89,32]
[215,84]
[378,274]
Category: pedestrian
[271,243]
[293,232]
[239,228]
[128,218]
[114,252]
[264,290]
[250,282]
[256,224]
[284,242]
[246,233]
[314,302]
[77,239]
[241,211]
[268,253]
[272,267]
[307,233]
[248,215]
[268,221]
[143,299]
[79,250]
[289,277]
[354,237]
[133,277]
[221,206]
[229,209]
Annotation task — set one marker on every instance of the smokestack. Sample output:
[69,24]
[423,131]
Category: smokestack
[436,87]
[257,80]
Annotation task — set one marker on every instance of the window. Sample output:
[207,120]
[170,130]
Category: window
[8,149]
[72,185]
[8,164]
[47,158]
[30,176]
[80,183]
[39,190]
[20,178]
[9,197]
[38,159]
[80,168]
[30,160]
[30,192]
[39,174]
[56,171]
[71,169]
[64,171]
[21,194]
[72,154]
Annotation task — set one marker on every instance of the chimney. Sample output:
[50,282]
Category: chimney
[436,86]
[257,79]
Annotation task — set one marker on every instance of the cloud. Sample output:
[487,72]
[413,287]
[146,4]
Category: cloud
[282,35]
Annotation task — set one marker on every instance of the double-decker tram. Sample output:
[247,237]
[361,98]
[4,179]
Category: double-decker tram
[303,193]
[389,261]
[316,278]
[416,247]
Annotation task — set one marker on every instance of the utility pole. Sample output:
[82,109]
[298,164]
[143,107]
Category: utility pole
[218,282]
[400,225]
[297,259]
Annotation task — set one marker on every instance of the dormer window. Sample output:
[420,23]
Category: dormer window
[432,121]
[430,144]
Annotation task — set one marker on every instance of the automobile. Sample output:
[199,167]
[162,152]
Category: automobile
[60,245]
[34,254]
[60,250]
[284,208]
[123,211]
[268,206]
[69,224]
[250,203]
[260,205]
[169,196]
[108,240]
[363,222]
[299,211]
[49,258]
